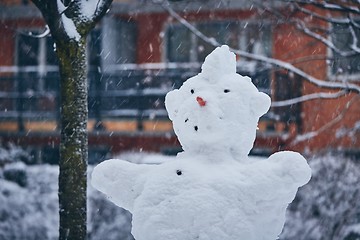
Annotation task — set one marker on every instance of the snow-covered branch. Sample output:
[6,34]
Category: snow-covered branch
[45,33]
[353,22]
[325,18]
[260,58]
[72,19]
[312,134]
[354,45]
[343,19]
[329,6]
[302,27]
[320,95]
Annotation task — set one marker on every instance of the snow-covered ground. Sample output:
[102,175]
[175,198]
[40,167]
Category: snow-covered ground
[326,208]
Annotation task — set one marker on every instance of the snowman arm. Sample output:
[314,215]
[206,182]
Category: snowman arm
[291,166]
[172,103]
[120,181]
[260,103]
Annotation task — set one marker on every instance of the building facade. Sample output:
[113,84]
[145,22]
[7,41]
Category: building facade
[140,51]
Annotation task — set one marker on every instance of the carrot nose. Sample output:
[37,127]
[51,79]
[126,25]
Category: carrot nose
[201,101]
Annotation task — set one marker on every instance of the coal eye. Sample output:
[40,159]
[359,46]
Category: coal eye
[226,90]
[179,172]
[196,128]
[192,91]
[186,120]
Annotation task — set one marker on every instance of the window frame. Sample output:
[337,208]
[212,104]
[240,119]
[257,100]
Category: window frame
[42,66]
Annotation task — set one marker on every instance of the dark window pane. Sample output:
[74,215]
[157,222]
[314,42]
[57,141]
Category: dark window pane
[51,58]
[179,44]
[223,32]
[94,49]
[343,39]
[287,87]
[28,50]
[119,38]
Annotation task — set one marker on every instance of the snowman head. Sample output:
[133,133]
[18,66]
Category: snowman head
[217,110]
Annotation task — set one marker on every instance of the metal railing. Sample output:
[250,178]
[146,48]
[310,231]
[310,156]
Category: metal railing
[128,91]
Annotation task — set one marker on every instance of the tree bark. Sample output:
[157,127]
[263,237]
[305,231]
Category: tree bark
[74,145]
[74,108]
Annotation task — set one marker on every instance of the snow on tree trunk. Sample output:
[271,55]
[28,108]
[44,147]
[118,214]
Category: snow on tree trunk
[73,147]
[69,23]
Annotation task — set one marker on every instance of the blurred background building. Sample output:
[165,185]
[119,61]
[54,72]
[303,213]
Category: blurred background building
[140,51]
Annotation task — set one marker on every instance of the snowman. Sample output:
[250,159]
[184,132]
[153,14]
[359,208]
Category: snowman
[212,190]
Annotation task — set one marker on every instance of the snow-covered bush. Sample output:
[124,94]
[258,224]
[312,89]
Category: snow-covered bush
[13,153]
[12,159]
[16,172]
[30,212]
[328,207]
[106,220]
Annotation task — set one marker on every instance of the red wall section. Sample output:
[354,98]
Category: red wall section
[8,31]
[149,45]
[327,121]
[7,46]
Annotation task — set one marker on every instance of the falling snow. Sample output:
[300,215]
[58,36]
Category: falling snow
[212,190]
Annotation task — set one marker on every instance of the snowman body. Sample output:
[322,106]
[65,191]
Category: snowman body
[212,190]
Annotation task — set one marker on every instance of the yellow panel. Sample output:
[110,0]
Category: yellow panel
[120,125]
[41,126]
[90,125]
[9,126]
[262,126]
[161,126]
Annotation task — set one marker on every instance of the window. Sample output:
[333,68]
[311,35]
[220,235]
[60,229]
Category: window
[180,44]
[32,51]
[345,61]
[34,57]
[118,40]
[183,46]
[35,77]
[112,45]
[253,37]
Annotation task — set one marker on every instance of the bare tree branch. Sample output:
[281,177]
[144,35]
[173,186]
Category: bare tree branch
[353,22]
[302,27]
[319,95]
[309,58]
[310,135]
[272,61]
[327,19]
[354,44]
[328,6]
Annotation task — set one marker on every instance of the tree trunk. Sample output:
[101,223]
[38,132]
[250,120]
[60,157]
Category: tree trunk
[73,147]
[71,52]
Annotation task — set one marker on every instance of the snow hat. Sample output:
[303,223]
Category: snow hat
[220,62]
